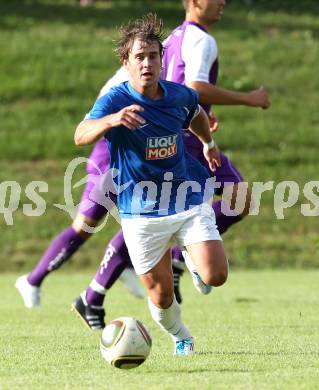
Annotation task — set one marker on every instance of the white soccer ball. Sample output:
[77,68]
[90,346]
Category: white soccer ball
[125,343]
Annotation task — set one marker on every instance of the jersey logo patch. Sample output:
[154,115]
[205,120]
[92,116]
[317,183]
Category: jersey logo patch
[159,148]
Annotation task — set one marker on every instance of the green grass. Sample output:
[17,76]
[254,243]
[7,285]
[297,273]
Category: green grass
[259,331]
[58,55]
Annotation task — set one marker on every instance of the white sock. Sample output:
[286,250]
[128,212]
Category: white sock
[170,320]
[188,261]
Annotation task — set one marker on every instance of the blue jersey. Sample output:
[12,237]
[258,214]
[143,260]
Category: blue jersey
[154,173]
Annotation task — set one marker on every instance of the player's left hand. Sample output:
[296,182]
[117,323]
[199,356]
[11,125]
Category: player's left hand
[213,157]
[259,98]
[213,122]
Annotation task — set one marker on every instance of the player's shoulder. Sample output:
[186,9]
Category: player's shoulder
[194,33]
[177,90]
[120,76]
[171,86]
[115,92]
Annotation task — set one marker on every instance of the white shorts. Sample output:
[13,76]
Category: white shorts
[148,239]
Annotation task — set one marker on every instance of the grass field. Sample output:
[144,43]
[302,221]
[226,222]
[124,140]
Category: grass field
[259,331]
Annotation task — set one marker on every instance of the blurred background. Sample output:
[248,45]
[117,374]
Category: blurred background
[57,54]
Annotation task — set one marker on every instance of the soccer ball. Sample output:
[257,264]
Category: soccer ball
[125,343]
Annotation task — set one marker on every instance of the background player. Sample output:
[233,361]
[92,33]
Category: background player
[71,239]
[191,58]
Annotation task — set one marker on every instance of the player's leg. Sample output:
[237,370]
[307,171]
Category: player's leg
[178,266]
[148,241]
[205,250]
[210,261]
[64,245]
[233,190]
[163,306]
[59,251]
[115,262]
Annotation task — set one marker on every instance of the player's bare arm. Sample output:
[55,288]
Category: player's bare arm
[211,94]
[90,130]
[200,127]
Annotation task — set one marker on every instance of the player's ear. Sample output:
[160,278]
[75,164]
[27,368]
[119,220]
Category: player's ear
[195,3]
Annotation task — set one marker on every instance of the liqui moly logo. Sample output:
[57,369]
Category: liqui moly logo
[159,148]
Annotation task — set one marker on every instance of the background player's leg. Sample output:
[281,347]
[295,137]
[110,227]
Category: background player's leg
[236,194]
[115,260]
[60,250]
[178,266]
[89,305]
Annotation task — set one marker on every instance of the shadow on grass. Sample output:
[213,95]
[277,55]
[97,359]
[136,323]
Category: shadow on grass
[246,300]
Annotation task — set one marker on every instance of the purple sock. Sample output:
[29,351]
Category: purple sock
[115,260]
[177,256]
[60,250]
[223,221]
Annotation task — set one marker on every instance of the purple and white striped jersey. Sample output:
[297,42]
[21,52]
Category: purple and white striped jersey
[190,54]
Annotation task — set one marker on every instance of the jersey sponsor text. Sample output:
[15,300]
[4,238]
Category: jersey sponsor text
[159,148]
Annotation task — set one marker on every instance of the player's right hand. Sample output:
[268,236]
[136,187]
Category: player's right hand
[213,122]
[127,117]
[259,98]
[213,157]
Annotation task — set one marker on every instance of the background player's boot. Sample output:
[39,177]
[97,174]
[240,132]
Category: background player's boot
[131,281]
[177,273]
[30,294]
[184,347]
[91,315]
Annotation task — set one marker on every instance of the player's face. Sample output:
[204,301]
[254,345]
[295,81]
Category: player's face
[210,10]
[144,64]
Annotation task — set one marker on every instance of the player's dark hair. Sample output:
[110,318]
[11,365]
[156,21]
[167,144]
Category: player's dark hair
[147,29]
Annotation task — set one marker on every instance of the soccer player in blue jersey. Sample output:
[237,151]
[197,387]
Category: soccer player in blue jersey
[143,120]
[191,58]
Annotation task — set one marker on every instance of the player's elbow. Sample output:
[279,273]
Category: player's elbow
[79,138]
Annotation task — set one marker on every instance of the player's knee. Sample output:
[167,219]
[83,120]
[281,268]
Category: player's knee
[215,278]
[161,297]
[80,223]
[219,278]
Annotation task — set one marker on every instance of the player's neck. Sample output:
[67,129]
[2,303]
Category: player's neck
[154,92]
[193,18]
